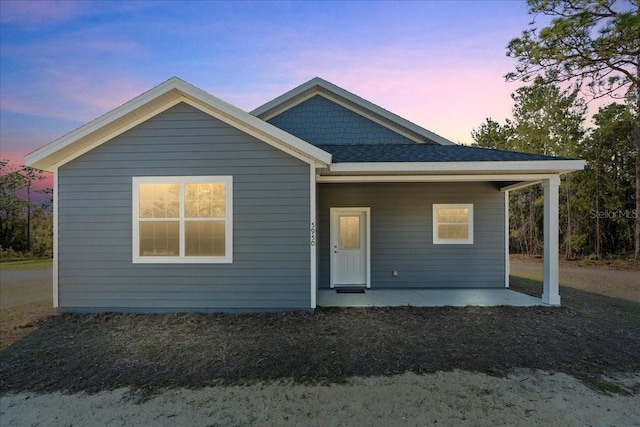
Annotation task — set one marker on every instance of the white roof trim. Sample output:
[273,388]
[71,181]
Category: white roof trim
[518,186]
[533,166]
[330,88]
[152,103]
[530,179]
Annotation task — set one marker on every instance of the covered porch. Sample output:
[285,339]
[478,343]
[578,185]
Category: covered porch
[397,193]
[402,264]
[482,297]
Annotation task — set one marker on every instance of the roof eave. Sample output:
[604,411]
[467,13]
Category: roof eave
[470,168]
[156,100]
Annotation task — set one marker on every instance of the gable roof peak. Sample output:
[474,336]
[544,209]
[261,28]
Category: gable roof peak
[153,102]
[322,87]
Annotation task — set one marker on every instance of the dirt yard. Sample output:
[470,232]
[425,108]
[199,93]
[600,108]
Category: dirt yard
[617,280]
[471,366]
[25,298]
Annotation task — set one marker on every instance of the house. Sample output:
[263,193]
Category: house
[179,201]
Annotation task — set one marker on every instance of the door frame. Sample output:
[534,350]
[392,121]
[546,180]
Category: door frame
[367,230]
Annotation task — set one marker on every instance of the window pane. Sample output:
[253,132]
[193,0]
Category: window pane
[205,200]
[205,238]
[453,231]
[159,200]
[159,238]
[350,232]
[455,215]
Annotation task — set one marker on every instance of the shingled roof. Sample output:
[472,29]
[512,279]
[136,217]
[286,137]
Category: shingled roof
[366,153]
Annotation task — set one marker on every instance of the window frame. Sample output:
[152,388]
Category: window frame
[182,258]
[436,238]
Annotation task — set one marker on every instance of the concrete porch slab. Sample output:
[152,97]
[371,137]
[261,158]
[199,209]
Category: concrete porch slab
[426,298]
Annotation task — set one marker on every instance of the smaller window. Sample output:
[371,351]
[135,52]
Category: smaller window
[452,224]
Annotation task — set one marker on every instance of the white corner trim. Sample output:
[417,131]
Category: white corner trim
[507,262]
[56,252]
[313,235]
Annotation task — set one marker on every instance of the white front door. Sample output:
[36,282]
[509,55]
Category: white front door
[349,247]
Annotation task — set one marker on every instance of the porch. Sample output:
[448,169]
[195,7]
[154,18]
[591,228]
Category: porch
[399,249]
[484,297]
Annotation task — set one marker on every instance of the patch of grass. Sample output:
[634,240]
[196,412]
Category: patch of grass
[25,264]
[609,387]
[25,297]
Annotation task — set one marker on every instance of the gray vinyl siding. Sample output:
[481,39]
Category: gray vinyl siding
[402,234]
[321,121]
[271,255]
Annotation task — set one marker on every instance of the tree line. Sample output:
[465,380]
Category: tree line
[26,227]
[597,206]
[580,50]
[585,49]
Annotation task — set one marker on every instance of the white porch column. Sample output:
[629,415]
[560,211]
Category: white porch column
[551,292]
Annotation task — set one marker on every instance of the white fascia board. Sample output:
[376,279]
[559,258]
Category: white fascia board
[385,113]
[328,95]
[519,185]
[286,96]
[534,166]
[507,177]
[366,105]
[94,142]
[349,107]
[255,126]
[167,95]
[36,158]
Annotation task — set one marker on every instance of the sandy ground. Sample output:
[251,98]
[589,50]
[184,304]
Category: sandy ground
[453,398]
[610,282]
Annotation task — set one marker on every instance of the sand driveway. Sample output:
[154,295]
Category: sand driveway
[447,399]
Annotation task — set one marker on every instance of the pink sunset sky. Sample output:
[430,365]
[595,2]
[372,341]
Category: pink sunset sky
[439,64]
